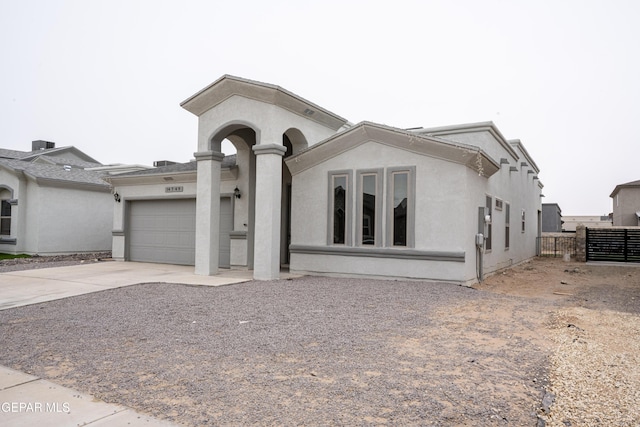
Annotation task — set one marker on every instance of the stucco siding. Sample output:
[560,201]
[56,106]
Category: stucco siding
[439,211]
[482,139]
[70,220]
[625,205]
[269,121]
[380,268]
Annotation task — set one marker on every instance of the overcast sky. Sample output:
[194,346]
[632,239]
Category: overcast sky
[561,76]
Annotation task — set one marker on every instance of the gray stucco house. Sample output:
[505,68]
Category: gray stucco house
[551,218]
[626,204]
[53,201]
[311,190]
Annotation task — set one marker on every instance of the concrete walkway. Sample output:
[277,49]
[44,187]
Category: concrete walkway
[26,400]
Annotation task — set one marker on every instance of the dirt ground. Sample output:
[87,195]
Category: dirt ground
[544,343]
[592,336]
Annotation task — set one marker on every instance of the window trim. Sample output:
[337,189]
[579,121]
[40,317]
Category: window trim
[411,205]
[6,217]
[360,174]
[348,207]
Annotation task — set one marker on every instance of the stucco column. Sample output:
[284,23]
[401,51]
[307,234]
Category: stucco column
[208,212]
[266,263]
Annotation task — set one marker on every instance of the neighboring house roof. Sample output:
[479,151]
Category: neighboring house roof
[12,154]
[58,151]
[227,86]
[471,156]
[56,175]
[631,184]
[50,152]
[52,160]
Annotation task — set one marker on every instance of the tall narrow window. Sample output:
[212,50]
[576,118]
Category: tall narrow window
[369,208]
[400,200]
[523,221]
[488,242]
[5,218]
[507,224]
[339,209]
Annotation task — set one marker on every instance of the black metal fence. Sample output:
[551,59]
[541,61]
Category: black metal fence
[616,244]
[556,246]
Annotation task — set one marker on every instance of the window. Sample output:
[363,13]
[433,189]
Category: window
[487,242]
[369,214]
[339,208]
[507,224]
[367,208]
[499,204]
[523,220]
[400,206]
[5,218]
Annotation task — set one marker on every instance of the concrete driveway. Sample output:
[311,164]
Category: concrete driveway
[26,287]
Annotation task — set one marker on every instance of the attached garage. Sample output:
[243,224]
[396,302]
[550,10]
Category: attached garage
[164,231]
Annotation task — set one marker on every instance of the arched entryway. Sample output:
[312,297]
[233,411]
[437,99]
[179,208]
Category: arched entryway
[243,139]
[294,141]
[265,123]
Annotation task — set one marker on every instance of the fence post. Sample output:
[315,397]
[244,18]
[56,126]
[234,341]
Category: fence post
[581,243]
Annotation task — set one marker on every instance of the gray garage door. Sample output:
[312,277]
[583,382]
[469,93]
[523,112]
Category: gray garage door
[164,231]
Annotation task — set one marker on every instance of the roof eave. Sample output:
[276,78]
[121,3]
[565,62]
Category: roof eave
[228,86]
[488,126]
[470,156]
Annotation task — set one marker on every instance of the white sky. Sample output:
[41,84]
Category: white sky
[108,76]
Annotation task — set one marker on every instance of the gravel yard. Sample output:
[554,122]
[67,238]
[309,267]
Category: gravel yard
[322,351]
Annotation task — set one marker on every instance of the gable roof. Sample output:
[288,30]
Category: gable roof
[56,175]
[58,151]
[46,159]
[51,152]
[631,184]
[363,132]
[5,153]
[228,86]
[467,128]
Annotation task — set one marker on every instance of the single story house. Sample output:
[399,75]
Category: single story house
[626,204]
[53,201]
[308,189]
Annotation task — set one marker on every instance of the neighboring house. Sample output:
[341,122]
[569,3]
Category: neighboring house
[551,218]
[52,202]
[626,204]
[570,222]
[310,190]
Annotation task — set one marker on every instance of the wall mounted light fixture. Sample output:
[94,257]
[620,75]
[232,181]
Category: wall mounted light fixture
[116,197]
[236,192]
